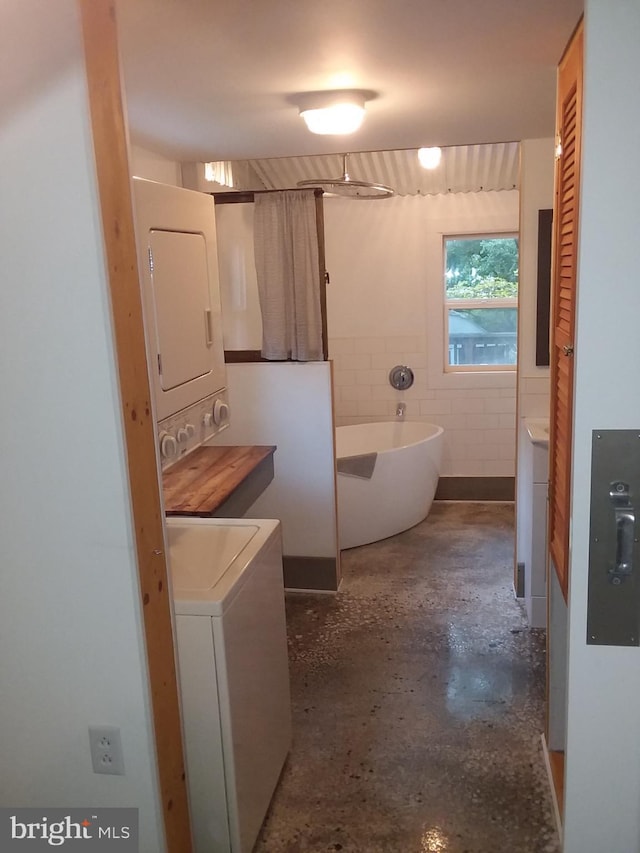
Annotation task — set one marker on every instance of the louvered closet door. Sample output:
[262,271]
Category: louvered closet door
[567,186]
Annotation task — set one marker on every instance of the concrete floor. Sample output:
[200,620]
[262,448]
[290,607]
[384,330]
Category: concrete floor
[418,701]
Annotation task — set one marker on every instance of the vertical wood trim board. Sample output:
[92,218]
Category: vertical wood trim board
[114,186]
[565,248]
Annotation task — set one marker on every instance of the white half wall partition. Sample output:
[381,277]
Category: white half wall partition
[289,404]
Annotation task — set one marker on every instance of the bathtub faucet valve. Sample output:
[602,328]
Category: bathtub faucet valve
[400,410]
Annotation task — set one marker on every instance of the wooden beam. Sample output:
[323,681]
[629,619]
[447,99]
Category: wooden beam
[240,356]
[249,196]
[244,197]
[114,186]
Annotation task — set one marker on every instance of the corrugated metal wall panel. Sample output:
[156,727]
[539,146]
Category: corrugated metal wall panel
[465,168]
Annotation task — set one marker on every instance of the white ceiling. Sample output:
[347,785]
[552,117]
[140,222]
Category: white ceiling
[217,79]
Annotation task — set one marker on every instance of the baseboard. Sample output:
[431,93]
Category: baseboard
[552,787]
[536,608]
[310,573]
[476,489]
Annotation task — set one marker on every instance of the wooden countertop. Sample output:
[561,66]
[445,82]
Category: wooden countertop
[211,477]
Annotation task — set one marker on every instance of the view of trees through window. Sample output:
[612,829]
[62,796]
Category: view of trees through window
[481,295]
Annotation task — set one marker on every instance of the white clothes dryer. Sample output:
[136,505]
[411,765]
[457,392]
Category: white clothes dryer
[233,670]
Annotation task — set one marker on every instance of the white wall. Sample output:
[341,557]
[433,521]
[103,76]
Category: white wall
[385,308]
[602,807]
[536,193]
[70,616]
[244,177]
[241,316]
[289,404]
[154,167]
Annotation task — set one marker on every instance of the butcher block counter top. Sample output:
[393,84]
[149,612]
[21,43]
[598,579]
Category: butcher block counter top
[218,481]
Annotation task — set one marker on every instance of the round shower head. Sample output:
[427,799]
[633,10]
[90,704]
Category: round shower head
[347,187]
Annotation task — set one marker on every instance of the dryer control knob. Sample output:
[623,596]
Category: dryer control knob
[168,445]
[220,412]
[207,420]
[191,430]
[182,435]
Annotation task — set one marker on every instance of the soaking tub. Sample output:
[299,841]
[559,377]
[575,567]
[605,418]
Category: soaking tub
[387,477]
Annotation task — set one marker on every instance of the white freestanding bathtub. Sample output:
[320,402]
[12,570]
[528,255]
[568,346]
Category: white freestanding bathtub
[387,478]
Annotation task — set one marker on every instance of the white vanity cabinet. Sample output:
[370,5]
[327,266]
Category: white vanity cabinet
[535,473]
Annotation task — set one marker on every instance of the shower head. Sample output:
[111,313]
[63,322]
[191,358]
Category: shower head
[348,188]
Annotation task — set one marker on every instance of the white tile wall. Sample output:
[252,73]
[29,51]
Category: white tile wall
[534,396]
[479,423]
[384,307]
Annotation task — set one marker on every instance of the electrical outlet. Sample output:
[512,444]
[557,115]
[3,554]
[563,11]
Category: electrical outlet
[106,750]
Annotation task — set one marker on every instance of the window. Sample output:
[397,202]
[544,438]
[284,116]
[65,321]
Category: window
[481,302]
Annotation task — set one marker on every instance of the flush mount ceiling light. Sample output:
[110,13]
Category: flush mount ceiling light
[334,113]
[430,157]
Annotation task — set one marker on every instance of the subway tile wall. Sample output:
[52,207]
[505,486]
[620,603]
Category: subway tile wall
[535,395]
[479,424]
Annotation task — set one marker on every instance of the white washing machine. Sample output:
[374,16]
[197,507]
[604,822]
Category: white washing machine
[233,669]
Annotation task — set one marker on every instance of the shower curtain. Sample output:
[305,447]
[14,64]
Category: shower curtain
[288,272]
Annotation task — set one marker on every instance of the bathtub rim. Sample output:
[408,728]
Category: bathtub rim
[439,430]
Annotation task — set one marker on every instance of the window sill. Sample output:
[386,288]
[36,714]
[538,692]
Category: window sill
[480,368]
[461,379]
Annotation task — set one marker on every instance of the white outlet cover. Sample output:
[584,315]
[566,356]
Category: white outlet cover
[106,750]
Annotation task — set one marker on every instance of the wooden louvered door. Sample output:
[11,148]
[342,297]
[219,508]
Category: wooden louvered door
[566,208]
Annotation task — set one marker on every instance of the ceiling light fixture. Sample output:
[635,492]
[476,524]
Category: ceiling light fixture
[430,157]
[334,113]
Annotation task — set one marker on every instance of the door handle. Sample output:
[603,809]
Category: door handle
[207,327]
[625,522]
[613,603]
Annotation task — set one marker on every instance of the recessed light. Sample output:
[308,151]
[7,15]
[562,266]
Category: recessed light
[430,157]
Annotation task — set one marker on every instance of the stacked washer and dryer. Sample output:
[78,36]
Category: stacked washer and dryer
[226,574]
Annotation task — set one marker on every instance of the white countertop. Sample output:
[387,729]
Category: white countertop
[538,430]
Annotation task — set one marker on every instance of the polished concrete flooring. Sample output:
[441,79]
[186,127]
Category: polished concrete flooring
[418,701]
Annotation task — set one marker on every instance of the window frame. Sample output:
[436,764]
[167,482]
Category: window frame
[452,304]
